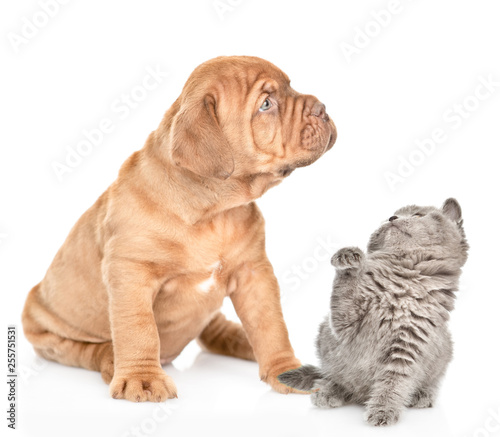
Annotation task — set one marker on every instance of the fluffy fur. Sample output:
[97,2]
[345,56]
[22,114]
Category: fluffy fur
[386,342]
[145,270]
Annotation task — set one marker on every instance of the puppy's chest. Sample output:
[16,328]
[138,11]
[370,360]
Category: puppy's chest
[206,270]
[211,254]
[211,279]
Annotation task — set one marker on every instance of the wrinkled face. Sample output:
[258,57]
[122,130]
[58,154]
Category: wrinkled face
[239,117]
[426,229]
[287,129]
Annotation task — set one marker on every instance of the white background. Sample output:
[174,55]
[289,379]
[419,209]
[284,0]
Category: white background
[395,91]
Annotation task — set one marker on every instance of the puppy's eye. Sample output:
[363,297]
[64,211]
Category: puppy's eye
[418,214]
[266,105]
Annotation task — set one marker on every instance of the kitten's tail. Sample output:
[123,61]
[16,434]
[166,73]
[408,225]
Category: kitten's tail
[302,378]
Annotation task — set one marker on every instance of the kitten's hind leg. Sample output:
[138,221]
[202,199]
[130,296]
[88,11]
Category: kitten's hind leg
[329,395]
[422,398]
[425,395]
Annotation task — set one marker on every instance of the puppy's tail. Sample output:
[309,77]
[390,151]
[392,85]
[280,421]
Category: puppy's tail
[302,378]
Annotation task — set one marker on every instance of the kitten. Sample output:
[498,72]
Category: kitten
[386,342]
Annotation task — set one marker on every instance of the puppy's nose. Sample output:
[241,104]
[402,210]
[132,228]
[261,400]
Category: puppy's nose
[319,110]
[394,217]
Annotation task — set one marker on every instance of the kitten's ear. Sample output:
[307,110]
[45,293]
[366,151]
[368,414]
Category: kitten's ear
[452,210]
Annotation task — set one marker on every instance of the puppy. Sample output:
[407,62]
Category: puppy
[145,270]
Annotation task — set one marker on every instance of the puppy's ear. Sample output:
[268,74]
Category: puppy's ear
[197,141]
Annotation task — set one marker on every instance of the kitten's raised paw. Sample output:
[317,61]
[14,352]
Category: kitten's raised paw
[348,258]
[325,399]
[382,416]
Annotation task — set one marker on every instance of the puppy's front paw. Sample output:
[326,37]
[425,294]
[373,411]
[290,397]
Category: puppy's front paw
[149,385]
[348,258]
[382,416]
[271,373]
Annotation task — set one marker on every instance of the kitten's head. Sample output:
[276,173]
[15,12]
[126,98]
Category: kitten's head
[423,229]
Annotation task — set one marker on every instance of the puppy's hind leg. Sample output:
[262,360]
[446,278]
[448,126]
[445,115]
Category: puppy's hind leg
[221,336]
[91,356]
[87,354]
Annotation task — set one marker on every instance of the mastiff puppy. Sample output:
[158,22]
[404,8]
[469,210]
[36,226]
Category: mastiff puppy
[145,269]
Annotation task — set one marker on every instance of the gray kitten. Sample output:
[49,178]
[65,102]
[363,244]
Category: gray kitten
[386,342]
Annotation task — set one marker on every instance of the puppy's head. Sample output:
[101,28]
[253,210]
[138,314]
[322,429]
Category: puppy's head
[238,117]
